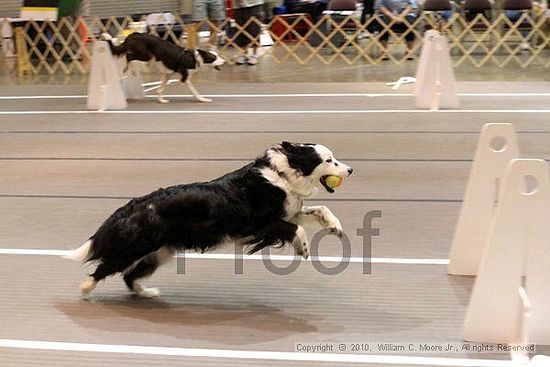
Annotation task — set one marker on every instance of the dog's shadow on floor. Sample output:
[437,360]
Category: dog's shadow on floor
[200,319]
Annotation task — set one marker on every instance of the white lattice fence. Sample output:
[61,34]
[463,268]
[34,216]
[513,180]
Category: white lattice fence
[64,46]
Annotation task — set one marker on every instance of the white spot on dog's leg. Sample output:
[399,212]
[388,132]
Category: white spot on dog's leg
[87,286]
[143,292]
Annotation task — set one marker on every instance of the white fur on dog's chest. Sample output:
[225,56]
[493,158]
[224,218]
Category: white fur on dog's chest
[293,202]
[293,205]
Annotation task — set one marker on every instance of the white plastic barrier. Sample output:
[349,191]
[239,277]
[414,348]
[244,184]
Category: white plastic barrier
[107,88]
[540,361]
[105,91]
[501,309]
[503,237]
[8,48]
[496,146]
[435,86]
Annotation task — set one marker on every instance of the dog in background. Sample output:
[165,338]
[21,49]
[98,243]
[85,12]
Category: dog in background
[172,59]
[258,205]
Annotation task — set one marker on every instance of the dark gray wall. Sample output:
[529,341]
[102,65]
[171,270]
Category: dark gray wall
[10,8]
[106,8]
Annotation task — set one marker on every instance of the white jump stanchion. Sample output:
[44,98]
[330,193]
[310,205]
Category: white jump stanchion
[105,90]
[540,361]
[537,272]
[435,86]
[518,243]
[6,30]
[265,38]
[496,146]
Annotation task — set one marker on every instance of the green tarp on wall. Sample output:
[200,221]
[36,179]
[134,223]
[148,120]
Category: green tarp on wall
[66,7]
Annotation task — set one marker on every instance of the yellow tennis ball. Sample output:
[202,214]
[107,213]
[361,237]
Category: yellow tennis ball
[333,181]
[126,32]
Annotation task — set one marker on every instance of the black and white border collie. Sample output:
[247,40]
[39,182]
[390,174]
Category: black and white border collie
[172,59]
[258,205]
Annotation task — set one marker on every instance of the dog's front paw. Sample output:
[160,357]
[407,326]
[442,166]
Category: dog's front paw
[301,243]
[332,223]
[335,227]
[204,100]
[163,100]
[338,232]
[143,292]
[148,293]
[302,249]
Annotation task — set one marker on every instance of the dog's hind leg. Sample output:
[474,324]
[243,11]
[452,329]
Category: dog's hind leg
[144,268]
[104,269]
[281,231]
[111,266]
[195,93]
[300,242]
[88,285]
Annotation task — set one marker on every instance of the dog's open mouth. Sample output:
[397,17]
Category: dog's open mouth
[331,182]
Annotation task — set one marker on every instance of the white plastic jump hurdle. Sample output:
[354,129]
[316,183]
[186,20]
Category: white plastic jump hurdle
[503,240]
[435,86]
[496,147]
[107,89]
[6,30]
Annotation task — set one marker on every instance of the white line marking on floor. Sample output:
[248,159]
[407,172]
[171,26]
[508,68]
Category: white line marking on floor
[158,82]
[251,354]
[338,259]
[259,112]
[41,252]
[290,95]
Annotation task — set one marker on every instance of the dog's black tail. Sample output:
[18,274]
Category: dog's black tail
[115,50]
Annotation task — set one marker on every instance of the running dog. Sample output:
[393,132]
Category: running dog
[172,59]
[258,205]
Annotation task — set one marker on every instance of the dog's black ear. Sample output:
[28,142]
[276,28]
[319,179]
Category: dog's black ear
[286,145]
[207,56]
[303,158]
[187,60]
